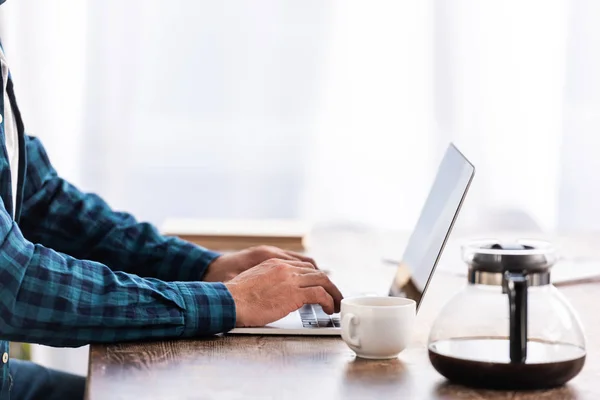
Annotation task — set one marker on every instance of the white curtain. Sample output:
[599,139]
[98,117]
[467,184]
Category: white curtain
[331,111]
[579,189]
[405,78]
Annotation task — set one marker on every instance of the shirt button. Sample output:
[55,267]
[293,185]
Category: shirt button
[0,118]
[5,358]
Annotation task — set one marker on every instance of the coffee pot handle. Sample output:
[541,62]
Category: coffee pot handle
[516,287]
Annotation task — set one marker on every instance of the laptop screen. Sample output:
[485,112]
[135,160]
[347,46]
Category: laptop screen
[427,240]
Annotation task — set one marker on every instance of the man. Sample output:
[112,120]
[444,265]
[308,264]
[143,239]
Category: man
[73,272]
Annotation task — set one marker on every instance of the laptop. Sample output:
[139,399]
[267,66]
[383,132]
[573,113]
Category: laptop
[420,258]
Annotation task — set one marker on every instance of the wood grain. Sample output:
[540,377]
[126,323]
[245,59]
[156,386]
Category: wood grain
[277,367]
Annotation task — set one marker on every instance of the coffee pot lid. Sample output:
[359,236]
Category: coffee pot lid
[492,255]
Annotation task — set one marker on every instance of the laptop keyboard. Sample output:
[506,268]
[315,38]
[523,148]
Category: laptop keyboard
[313,316]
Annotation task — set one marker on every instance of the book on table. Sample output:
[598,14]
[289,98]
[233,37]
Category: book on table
[233,234]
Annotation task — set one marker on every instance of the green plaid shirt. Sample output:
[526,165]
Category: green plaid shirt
[73,271]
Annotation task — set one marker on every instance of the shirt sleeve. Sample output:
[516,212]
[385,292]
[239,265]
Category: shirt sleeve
[54,299]
[58,215]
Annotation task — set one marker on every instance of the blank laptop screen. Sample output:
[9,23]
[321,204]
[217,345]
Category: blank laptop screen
[434,225]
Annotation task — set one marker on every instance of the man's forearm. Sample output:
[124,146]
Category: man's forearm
[54,299]
[58,215]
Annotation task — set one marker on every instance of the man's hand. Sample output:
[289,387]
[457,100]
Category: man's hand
[228,266]
[275,288]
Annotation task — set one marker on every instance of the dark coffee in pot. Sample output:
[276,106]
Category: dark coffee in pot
[484,362]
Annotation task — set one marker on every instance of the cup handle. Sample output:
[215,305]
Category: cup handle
[348,322]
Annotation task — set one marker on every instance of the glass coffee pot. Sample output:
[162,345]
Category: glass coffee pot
[509,328]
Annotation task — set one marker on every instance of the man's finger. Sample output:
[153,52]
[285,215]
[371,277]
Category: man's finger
[300,264]
[316,279]
[301,257]
[318,295]
[282,255]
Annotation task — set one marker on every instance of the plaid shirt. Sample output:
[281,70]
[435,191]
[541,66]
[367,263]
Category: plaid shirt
[73,272]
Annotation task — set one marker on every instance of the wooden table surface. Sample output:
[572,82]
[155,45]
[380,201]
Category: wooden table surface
[277,367]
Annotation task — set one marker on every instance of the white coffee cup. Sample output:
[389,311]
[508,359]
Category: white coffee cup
[377,327]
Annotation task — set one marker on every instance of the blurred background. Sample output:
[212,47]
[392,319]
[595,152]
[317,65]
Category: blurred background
[325,111]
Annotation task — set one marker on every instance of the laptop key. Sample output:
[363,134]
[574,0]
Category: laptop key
[326,324]
[313,316]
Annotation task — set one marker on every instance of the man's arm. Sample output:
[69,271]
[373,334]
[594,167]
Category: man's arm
[54,299]
[59,216]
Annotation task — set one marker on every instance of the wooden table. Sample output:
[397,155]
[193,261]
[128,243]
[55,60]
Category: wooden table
[268,367]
